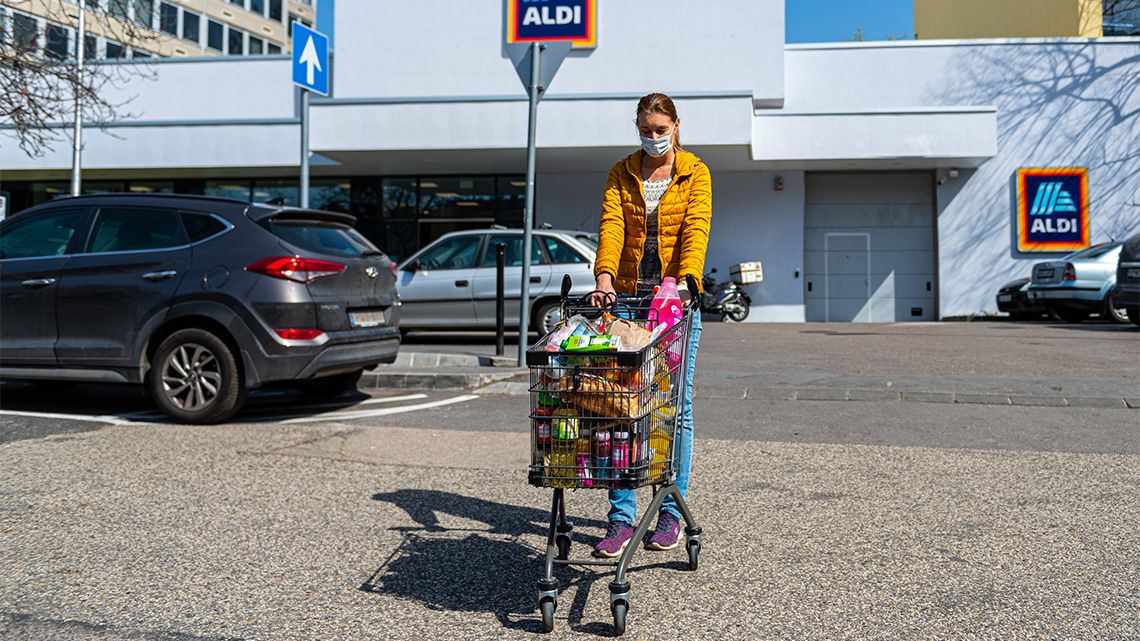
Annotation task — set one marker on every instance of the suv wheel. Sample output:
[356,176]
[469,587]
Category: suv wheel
[195,378]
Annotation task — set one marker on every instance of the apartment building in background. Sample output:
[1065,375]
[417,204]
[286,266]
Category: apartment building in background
[168,28]
[969,19]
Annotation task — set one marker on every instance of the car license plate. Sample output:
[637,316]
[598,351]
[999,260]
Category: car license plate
[1004,298]
[1133,272]
[366,317]
[1045,273]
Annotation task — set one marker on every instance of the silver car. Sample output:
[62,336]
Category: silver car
[1079,284]
[450,284]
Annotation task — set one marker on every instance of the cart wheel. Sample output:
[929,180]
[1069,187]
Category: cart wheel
[548,606]
[694,548]
[563,545]
[619,609]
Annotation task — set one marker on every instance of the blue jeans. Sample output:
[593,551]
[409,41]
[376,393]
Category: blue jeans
[623,503]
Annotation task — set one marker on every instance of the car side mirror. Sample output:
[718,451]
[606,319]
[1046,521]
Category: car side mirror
[713,270]
[412,266]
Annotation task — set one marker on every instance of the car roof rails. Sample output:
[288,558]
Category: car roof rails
[498,226]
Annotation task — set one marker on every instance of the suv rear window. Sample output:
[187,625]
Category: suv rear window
[334,239]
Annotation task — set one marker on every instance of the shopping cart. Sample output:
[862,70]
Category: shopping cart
[609,420]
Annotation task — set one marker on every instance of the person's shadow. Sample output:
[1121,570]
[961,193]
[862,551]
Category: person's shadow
[482,571]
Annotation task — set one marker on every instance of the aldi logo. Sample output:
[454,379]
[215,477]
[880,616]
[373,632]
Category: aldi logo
[574,21]
[1052,209]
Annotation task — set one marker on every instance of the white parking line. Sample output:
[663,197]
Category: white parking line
[382,412]
[111,420]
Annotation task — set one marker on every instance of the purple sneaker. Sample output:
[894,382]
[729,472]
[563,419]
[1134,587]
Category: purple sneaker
[618,536]
[667,532]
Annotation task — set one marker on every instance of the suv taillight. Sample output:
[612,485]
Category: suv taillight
[295,268]
[1070,272]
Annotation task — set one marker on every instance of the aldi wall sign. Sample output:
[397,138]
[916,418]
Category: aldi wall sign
[1052,209]
[574,21]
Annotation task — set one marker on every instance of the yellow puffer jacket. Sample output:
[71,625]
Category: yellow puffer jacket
[683,217]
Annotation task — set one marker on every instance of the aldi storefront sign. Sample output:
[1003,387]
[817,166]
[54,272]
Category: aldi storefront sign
[573,21]
[1052,209]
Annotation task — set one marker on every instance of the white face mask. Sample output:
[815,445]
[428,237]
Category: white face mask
[658,147]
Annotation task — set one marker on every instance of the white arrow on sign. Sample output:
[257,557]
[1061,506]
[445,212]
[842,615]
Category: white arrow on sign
[310,59]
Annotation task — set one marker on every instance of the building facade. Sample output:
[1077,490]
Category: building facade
[875,181]
[158,28]
[961,19]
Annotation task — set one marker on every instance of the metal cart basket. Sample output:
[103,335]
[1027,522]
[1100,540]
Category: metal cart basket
[609,420]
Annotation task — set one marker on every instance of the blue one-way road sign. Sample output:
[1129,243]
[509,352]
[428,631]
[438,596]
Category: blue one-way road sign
[310,59]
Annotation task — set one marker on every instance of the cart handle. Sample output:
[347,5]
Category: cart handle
[690,281]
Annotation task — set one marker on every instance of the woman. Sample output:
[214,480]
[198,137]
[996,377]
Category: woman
[655,223]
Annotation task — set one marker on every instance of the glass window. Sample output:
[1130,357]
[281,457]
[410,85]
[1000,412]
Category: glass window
[168,19]
[144,12]
[275,10]
[292,18]
[322,237]
[273,49]
[57,42]
[237,189]
[560,253]
[240,3]
[285,191]
[214,38]
[25,31]
[255,46]
[512,254]
[201,226]
[151,186]
[4,28]
[115,50]
[191,24]
[118,8]
[457,252]
[90,47]
[43,235]
[451,198]
[512,201]
[257,6]
[330,195]
[139,54]
[235,40]
[135,229]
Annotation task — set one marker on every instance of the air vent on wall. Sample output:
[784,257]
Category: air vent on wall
[229,14]
[269,30]
[178,51]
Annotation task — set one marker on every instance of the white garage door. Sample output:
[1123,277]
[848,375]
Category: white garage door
[869,247]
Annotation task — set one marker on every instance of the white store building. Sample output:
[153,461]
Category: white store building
[875,181]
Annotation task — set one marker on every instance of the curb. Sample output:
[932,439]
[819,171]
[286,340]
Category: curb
[379,379]
[442,359]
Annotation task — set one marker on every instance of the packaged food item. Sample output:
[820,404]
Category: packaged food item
[633,337]
[565,424]
[542,426]
[546,399]
[598,343]
[598,395]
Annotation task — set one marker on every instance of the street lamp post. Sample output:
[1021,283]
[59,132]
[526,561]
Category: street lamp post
[76,165]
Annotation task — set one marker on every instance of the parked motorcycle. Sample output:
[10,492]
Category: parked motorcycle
[728,300]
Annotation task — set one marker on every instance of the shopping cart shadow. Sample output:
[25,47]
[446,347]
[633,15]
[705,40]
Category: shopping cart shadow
[482,569]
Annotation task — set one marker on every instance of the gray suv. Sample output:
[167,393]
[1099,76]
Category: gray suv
[199,299]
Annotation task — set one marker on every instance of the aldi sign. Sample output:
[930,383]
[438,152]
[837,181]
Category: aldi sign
[574,21]
[1052,209]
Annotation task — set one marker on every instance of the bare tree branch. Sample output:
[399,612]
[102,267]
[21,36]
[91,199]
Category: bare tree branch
[41,84]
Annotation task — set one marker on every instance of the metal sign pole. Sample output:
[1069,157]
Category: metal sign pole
[76,160]
[305,148]
[528,217]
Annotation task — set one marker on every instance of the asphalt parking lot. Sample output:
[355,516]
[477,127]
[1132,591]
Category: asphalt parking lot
[406,515]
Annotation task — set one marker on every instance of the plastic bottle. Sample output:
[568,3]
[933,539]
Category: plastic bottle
[621,449]
[602,452]
[665,308]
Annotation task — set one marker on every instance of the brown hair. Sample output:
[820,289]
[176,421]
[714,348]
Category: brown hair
[659,103]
